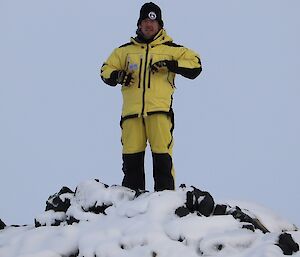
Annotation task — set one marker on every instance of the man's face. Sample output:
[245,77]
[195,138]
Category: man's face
[149,28]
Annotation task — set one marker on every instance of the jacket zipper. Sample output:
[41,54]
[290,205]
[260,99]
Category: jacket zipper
[149,74]
[140,72]
[144,82]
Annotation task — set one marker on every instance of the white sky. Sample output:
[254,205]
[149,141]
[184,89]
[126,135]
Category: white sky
[237,125]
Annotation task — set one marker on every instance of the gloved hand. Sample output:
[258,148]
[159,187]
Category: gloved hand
[170,65]
[124,78]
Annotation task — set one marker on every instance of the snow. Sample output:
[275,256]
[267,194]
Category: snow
[114,222]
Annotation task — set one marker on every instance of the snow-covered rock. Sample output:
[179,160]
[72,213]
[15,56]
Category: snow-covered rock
[112,221]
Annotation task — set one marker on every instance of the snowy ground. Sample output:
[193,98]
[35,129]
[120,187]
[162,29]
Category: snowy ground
[103,221]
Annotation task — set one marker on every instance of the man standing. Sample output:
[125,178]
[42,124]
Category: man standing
[146,69]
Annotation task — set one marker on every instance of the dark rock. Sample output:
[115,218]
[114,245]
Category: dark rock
[154,254]
[287,244]
[238,214]
[219,247]
[37,223]
[200,201]
[53,223]
[2,224]
[181,239]
[249,226]
[220,209]
[56,222]
[65,190]
[105,185]
[97,209]
[72,220]
[182,186]
[182,211]
[55,202]
[18,226]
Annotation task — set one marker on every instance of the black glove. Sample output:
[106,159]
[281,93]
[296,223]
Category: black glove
[122,77]
[170,65]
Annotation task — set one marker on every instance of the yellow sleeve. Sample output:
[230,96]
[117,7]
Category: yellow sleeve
[113,63]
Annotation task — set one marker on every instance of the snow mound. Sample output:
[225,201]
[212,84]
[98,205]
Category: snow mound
[113,221]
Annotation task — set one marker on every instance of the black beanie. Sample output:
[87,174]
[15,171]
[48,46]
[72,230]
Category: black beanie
[151,11]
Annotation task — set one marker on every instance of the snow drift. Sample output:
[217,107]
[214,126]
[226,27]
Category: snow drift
[113,221]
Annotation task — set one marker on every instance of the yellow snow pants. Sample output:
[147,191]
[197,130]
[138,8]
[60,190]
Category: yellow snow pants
[157,129]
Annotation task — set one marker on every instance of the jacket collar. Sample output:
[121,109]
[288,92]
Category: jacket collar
[160,38]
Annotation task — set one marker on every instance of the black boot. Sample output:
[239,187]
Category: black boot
[134,172]
[162,172]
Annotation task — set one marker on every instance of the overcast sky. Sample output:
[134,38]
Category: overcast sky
[237,125]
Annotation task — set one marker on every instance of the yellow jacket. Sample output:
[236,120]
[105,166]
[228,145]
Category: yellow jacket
[150,92]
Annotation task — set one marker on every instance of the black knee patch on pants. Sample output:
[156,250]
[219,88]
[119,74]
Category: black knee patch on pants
[162,172]
[134,172]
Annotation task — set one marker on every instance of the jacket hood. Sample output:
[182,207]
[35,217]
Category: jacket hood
[160,38]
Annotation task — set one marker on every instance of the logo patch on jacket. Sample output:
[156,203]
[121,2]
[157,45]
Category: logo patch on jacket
[133,66]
